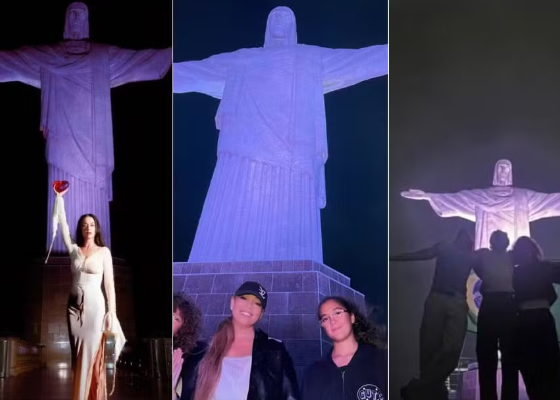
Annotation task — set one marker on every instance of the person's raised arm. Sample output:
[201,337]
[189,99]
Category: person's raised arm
[424,254]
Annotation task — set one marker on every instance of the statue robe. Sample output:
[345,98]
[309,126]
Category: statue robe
[499,207]
[76,115]
[268,186]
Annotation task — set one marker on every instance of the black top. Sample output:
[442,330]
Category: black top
[365,377]
[535,281]
[453,266]
[495,269]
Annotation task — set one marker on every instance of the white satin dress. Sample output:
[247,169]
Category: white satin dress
[86,313]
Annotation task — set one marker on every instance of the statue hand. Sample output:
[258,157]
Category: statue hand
[415,194]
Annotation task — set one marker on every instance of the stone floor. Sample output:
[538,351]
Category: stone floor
[56,384]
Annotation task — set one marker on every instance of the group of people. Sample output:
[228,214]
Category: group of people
[514,318]
[242,362]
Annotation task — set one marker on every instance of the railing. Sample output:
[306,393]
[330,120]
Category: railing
[145,360]
[18,356]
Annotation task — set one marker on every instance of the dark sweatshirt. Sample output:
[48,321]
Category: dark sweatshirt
[365,377]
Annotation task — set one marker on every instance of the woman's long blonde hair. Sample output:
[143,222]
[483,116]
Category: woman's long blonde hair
[211,365]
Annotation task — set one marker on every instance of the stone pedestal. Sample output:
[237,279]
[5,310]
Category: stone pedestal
[470,389]
[48,286]
[295,289]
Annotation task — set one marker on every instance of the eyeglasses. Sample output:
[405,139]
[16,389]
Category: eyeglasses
[336,315]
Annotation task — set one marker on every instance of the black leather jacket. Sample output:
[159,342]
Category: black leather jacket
[273,376]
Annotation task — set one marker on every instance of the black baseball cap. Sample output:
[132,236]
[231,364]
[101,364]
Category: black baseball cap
[255,289]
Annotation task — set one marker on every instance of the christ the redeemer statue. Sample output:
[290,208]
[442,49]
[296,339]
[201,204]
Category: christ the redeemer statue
[499,207]
[75,77]
[268,185]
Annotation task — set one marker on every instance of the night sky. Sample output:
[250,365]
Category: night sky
[470,84]
[141,209]
[354,223]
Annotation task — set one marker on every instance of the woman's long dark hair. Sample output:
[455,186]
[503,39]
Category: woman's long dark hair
[526,251]
[97,239]
[363,328]
[211,365]
[187,335]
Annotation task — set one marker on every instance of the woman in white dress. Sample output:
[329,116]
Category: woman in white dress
[88,321]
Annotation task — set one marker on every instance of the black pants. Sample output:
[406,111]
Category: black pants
[538,353]
[495,330]
[442,334]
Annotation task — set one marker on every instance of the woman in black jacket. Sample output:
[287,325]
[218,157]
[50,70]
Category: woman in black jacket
[356,368]
[536,339]
[242,363]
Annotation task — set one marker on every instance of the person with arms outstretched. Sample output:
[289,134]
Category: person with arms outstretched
[444,323]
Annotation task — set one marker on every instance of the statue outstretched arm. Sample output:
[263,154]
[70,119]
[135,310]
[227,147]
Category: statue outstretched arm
[138,65]
[347,67]
[206,76]
[461,204]
[543,205]
[424,254]
[20,65]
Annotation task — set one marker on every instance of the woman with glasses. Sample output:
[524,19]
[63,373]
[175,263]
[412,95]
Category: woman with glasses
[356,368]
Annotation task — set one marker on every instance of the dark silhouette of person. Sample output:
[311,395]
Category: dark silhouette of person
[444,323]
[496,319]
[536,340]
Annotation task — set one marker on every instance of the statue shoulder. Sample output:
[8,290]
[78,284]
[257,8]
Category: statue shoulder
[311,49]
[246,51]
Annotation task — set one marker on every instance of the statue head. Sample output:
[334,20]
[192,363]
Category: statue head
[76,26]
[281,28]
[503,173]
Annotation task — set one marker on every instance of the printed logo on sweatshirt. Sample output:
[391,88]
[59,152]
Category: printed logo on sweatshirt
[369,392]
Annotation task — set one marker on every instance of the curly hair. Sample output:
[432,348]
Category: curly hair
[187,335]
[363,328]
